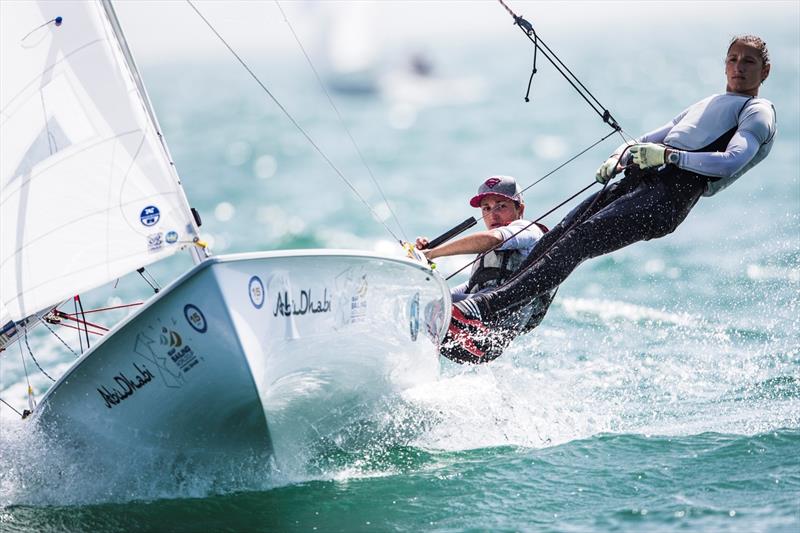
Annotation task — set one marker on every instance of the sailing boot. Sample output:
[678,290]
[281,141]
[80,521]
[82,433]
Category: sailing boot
[470,339]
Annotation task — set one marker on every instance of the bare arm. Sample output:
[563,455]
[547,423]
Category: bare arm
[471,244]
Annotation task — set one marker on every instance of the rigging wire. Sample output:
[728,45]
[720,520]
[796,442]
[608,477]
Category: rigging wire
[10,406]
[85,324]
[550,173]
[152,281]
[341,121]
[59,338]
[31,401]
[560,66]
[482,255]
[527,28]
[80,339]
[294,122]
[25,331]
[574,223]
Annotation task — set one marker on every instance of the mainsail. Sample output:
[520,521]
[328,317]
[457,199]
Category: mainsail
[88,192]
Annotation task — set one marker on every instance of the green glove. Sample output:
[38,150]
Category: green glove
[648,155]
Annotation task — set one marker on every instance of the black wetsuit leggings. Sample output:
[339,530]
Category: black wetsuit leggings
[640,206]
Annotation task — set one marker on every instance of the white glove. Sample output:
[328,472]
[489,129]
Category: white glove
[607,170]
[648,155]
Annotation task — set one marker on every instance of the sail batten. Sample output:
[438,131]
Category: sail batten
[86,181]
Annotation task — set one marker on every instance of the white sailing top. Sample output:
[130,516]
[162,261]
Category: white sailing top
[707,120]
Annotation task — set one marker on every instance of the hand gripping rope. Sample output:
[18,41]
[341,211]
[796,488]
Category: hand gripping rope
[591,100]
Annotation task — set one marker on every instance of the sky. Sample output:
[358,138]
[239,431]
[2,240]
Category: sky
[162,30]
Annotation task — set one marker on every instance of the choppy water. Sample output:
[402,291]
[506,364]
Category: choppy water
[661,392]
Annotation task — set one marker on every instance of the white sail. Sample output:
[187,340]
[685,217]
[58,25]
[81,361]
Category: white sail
[87,189]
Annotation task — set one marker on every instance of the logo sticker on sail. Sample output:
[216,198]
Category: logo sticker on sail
[256,291]
[150,215]
[154,242]
[413,317]
[195,318]
[171,237]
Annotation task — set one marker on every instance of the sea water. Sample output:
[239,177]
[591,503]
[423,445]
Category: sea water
[661,392]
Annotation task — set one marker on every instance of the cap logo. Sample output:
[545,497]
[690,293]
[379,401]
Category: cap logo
[491,182]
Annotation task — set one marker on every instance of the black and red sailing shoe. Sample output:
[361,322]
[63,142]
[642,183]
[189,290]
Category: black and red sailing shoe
[469,339]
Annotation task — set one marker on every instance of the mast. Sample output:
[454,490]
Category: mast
[88,189]
[197,253]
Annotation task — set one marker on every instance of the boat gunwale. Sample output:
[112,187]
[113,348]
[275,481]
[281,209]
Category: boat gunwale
[223,259]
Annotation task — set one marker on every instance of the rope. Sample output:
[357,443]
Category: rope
[527,28]
[111,308]
[293,121]
[25,331]
[153,284]
[561,67]
[482,255]
[85,324]
[80,339]
[59,338]
[10,406]
[577,219]
[341,121]
[31,401]
[559,167]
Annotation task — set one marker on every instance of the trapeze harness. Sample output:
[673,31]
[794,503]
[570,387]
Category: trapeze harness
[644,205]
[495,268]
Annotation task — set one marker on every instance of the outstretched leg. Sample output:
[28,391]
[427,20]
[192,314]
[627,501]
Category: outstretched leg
[651,209]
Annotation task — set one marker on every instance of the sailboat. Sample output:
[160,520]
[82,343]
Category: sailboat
[235,354]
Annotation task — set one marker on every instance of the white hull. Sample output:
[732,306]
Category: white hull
[244,355]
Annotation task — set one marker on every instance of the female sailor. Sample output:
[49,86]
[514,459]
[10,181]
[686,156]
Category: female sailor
[503,247]
[698,153]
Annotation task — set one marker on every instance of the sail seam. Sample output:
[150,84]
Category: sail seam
[46,71]
[66,156]
[89,215]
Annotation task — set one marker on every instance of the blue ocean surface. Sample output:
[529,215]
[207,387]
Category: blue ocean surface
[661,392]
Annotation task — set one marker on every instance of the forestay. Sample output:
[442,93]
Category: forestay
[88,192]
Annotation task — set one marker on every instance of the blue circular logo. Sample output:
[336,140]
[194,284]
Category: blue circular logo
[256,290]
[150,215]
[171,237]
[195,318]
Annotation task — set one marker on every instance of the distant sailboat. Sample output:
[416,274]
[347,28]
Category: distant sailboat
[217,361]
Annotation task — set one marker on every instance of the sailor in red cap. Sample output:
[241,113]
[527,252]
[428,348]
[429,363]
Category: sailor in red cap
[503,247]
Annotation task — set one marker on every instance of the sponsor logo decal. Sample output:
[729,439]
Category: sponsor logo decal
[195,318]
[150,215]
[170,338]
[124,386]
[285,306]
[149,350]
[413,317]
[358,302]
[171,237]
[154,242]
[256,291]
[180,354]
[167,352]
